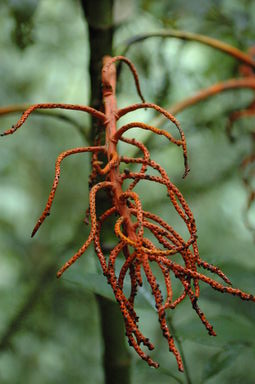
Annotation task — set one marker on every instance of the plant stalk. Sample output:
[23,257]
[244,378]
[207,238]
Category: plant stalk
[116,360]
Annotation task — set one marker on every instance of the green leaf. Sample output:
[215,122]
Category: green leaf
[220,361]
[229,329]
[97,283]
[93,282]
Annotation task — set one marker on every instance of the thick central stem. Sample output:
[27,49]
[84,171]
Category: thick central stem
[110,106]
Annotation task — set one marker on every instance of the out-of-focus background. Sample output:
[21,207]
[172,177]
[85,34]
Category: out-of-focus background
[49,329]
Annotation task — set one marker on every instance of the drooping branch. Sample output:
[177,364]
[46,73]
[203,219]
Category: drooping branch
[17,108]
[189,36]
[206,93]
[200,96]
[35,107]
[243,83]
[59,160]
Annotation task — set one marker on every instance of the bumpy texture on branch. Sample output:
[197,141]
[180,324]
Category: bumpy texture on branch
[140,252]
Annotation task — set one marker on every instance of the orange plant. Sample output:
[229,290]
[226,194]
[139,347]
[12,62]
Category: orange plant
[132,220]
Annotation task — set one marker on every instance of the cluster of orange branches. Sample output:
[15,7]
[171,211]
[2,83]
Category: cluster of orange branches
[140,253]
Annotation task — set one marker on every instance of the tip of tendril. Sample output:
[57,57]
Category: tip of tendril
[186,172]
[9,131]
[34,232]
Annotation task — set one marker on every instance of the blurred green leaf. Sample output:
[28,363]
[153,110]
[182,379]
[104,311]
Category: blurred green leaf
[97,283]
[93,282]
[229,327]
[219,361]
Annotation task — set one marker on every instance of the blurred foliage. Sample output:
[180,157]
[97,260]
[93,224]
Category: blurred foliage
[44,56]
[22,13]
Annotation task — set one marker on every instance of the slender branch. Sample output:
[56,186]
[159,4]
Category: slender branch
[248,83]
[17,108]
[189,36]
[202,95]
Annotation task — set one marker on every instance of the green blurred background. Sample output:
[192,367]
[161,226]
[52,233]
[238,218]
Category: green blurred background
[49,329]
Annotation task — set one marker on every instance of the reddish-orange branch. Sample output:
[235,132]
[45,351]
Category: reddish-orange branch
[138,252]
[206,93]
[74,107]
[107,69]
[17,108]
[59,160]
[212,91]
[189,36]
